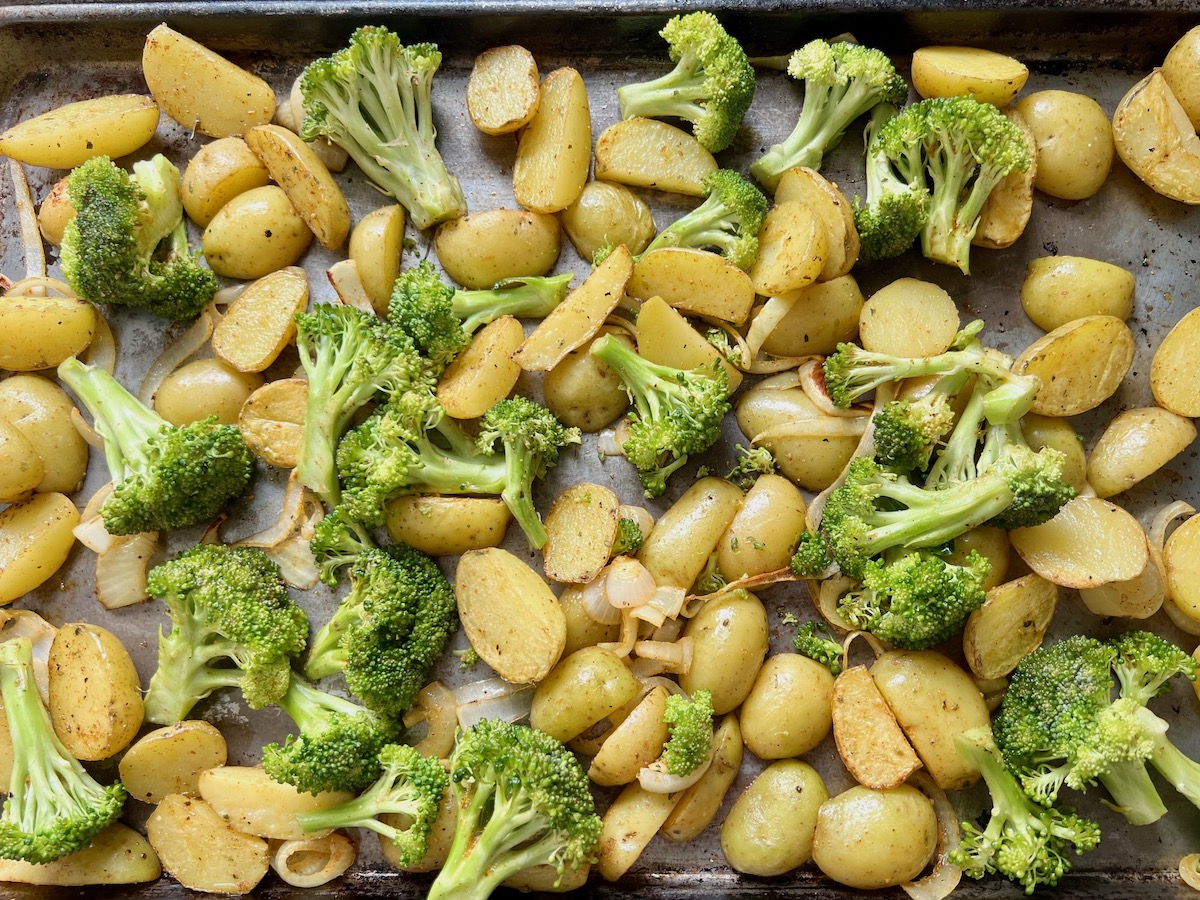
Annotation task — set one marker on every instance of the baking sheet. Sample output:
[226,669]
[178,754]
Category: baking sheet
[50,54]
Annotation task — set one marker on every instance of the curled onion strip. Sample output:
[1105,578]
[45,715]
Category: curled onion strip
[676,656]
[694,602]
[511,707]
[39,286]
[866,447]
[297,565]
[313,862]
[102,351]
[648,614]
[31,236]
[629,635]
[944,878]
[121,570]
[1189,870]
[85,429]
[435,707]
[668,630]
[743,356]
[92,534]
[830,590]
[655,778]
[877,648]
[192,339]
[811,376]
[15,623]
[774,311]
[483,689]
[288,521]
[669,685]
[1163,519]
[824,427]
[614,324]
[227,295]
[1157,536]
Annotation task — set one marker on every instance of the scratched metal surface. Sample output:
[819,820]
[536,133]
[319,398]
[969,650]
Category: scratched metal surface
[53,53]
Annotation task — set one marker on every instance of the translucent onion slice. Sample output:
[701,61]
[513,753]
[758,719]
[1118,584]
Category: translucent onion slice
[611,441]
[877,648]
[346,281]
[944,878]
[657,780]
[31,236]
[866,447]
[1157,536]
[646,668]
[85,429]
[296,562]
[174,355]
[595,602]
[614,324]
[313,862]
[830,590]
[629,635]
[765,321]
[670,685]
[628,583]
[288,521]
[811,378]
[227,295]
[121,571]
[1163,519]
[510,707]
[93,535]
[648,614]
[669,630]
[102,351]
[212,531]
[694,602]
[485,689]
[16,623]
[437,708]
[676,656]
[1189,870]
[96,501]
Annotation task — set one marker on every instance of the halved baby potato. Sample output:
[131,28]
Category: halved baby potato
[649,153]
[555,148]
[1089,543]
[502,92]
[792,248]
[1157,140]
[71,134]
[986,75]
[695,281]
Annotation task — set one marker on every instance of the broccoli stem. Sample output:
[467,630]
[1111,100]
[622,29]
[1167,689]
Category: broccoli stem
[1133,793]
[309,707]
[533,298]
[325,654]
[933,517]
[701,227]
[361,812]
[673,94]
[1181,771]
[184,675]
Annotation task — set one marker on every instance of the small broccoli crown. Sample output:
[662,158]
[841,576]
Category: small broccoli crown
[422,307]
[629,538]
[530,297]
[1022,841]
[728,220]
[751,464]
[889,226]
[841,82]
[1146,663]
[411,785]
[691,728]
[824,649]
[523,801]
[906,433]
[812,557]
[54,807]
[337,541]
[711,86]
[897,201]
[918,600]
[677,413]
[532,439]
[164,476]
[374,99]
[1035,477]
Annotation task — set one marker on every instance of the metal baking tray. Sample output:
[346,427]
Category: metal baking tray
[52,53]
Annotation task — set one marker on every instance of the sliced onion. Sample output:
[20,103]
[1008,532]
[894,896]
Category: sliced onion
[1157,536]
[511,707]
[611,441]
[649,615]
[1163,519]
[227,295]
[595,602]
[811,377]
[629,636]
[31,236]
[96,501]
[296,562]
[827,595]
[655,778]
[17,623]
[192,339]
[628,583]
[1189,870]
[484,689]
[288,521]
[768,317]
[89,434]
[670,685]
[121,571]
[313,862]
[676,656]
[93,535]
[639,514]
[821,427]
[102,351]
[669,630]
[615,323]
[944,878]
[866,447]
[212,531]
[39,286]
[694,602]
[437,708]
[346,281]
[736,337]
[642,669]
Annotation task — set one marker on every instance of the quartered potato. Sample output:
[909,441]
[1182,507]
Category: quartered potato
[987,76]
[95,696]
[555,148]
[485,247]
[1009,626]
[580,528]
[634,744]
[869,739]
[629,824]
[306,181]
[169,760]
[1157,140]
[40,332]
[1135,445]
[824,315]
[261,321]
[1181,70]
[1090,542]
[909,318]
[202,851]
[1008,207]
[607,215]
[667,338]
[376,244]
[484,373]
[807,186]
[70,135]
[792,249]
[1060,289]
[201,89]
[502,92]
[35,539]
[695,281]
[447,526]
[272,421]
[649,153]
[1174,375]
[117,855]
[218,172]
[251,802]
[1080,364]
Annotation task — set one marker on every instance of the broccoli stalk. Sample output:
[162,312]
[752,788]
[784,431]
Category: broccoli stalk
[226,604]
[1022,841]
[711,85]
[841,82]
[531,297]
[523,800]
[54,807]
[373,98]
[728,220]
[127,243]
[1039,490]
[677,412]
[411,785]
[897,201]
[824,650]
[389,630]
[164,476]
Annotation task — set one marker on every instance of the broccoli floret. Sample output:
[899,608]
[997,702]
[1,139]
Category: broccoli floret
[127,244]
[468,658]
[824,650]
[711,85]
[629,538]
[1058,724]
[1036,477]
[690,722]
[374,99]
[532,439]
[897,201]
[422,307]
[339,743]
[389,630]
[969,147]
[676,413]
[908,431]
[523,800]
[752,463]
[727,221]
[530,297]
[54,807]
[1024,842]
[841,82]
[725,345]
[813,556]
[226,605]
[164,476]
[411,786]
[350,357]
[337,541]
[918,600]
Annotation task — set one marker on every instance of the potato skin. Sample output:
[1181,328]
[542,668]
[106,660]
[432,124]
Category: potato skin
[95,696]
[581,690]
[770,829]
[871,839]
[254,234]
[729,641]
[1075,143]
[788,710]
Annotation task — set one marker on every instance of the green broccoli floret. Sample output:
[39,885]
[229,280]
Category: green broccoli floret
[824,650]
[389,630]
[350,357]
[677,412]
[337,541]
[751,464]
[725,345]
[164,476]
[226,605]
[127,244]
[969,147]
[530,297]
[468,658]
[339,743]
[422,307]
[918,600]
[1022,841]
[1035,476]
[897,201]
[54,807]
[711,85]
[1058,724]
[629,538]
[727,221]
[523,800]
[411,786]
[690,722]
[908,431]
[841,82]
[374,99]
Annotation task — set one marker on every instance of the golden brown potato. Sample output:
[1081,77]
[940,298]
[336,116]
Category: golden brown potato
[580,691]
[824,315]
[1134,446]
[202,851]
[633,744]
[1080,364]
[95,696]
[687,533]
[1060,289]
[71,134]
[629,824]
[1089,543]
[583,392]
[376,244]
[1047,431]
[261,321]
[21,469]
[695,281]
[256,233]
[792,248]
[1009,626]
[484,373]
[41,411]
[117,855]
[649,153]
[764,533]
[803,185]
[169,760]
[1174,377]
[698,804]
[555,149]
[665,337]
[218,172]
[305,179]
[870,839]
[909,318]
[1157,140]
[788,710]
[580,528]
[729,642]
[252,802]
[55,212]
[447,526]
[40,332]
[870,741]
[35,539]
[987,76]
[502,92]
[769,830]
[485,247]
[1181,71]
[1008,207]
[272,421]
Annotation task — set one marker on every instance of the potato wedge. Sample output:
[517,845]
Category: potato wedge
[169,760]
[649,153]
[21,468]
[484,373]
[824,315]
[502,92]
[272,421]
[698,805]
[629,825]
[1008,207]
[792,249]
[485,247]
[69,135]
[376,244]
[1181,69]
[1060,289]
[807,186]
[306,180]
[695,281]
[1157,140]
[35,539]
[1089,543]
[987,76]
[1080,364]
[634,744]
[555,148]
[586,687]
[667,338]
[579,316]
[202,89]
[117,855]
[261,321]
[216,174]
[251,802]
[41,410]
[580,529]
[55,212]
[870,741]
[447,526]
[1174,376]
[1009,626]
[202,851]
[509,614]
[95,696]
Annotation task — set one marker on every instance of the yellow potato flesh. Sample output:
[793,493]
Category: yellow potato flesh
[65,137]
